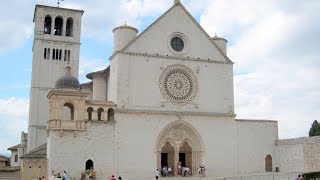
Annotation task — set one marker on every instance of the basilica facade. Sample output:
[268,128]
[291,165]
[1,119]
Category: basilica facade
[166,99]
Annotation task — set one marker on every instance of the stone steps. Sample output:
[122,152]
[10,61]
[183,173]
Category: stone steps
[9,176]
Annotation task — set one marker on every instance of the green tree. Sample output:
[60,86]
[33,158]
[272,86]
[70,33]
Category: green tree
[315,129]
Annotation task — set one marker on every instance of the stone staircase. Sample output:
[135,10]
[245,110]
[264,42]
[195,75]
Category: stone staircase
[10,173]
[10,176]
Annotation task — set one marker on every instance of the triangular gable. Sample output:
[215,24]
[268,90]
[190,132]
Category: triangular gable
[141,43]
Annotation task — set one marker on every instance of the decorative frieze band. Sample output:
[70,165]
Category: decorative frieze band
[133,111]
[59,41]
[171,57]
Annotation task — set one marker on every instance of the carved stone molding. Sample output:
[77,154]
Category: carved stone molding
[177,134]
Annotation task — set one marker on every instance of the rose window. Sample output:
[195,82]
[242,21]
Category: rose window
[178,84]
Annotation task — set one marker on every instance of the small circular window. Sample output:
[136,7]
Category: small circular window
[177,44]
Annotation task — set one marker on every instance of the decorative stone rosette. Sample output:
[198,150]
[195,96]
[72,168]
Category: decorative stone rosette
[178,84]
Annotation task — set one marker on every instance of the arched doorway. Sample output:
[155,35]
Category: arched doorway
[268,162]
[89,164]
[167,155]
[187,145]
[185,155]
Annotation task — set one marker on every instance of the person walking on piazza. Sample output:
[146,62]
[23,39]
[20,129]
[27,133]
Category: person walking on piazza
[157,174]
[112,178]
[202,171]
[64,176]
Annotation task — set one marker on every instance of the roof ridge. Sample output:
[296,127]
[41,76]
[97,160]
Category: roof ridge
[40,151]
[190,16]
[205,32]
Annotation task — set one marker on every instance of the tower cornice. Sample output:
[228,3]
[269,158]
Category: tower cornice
[55,8]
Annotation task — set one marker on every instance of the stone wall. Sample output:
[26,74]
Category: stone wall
[70,150]
[12,158]
[255,140]
[298,154]
[34,168]
[265,176]
[289,158]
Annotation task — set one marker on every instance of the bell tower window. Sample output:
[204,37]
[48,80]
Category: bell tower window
[69,30]
[54,54]
[47,25]
[58,24]
[45,53]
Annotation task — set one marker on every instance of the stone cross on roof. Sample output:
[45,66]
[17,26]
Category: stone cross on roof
[176,1]
[59,2]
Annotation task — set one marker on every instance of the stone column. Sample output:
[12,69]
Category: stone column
[176,161]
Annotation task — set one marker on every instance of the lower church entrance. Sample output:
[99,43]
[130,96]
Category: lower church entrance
[179,150]
[183,165]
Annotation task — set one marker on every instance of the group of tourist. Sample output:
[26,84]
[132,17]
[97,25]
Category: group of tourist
[88,174]
[183,171]
[113,178]
[63,176]
[166,171]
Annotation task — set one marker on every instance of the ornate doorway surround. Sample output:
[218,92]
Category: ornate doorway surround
[179,139]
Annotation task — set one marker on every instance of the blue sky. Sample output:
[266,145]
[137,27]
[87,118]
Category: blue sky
[274,44]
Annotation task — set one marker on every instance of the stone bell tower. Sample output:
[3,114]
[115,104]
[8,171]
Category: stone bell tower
[56,44]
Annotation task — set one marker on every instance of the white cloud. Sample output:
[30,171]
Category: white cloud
[274,45]
[88,65]
[14,118]
[100,17]
[15,29]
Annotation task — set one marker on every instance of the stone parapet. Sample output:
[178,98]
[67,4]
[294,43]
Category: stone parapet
[301,140]
[67,125]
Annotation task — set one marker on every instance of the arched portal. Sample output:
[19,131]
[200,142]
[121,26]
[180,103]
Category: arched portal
[167,155]
[89,164]
[187,144]
[185,155]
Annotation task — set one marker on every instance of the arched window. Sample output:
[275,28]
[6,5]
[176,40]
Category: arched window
[68,111]
[89,165]
[90,110]
[58,24]
[47,25]
[100,111]
[268,161]
[16,158]
[110,114]
[69,31]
